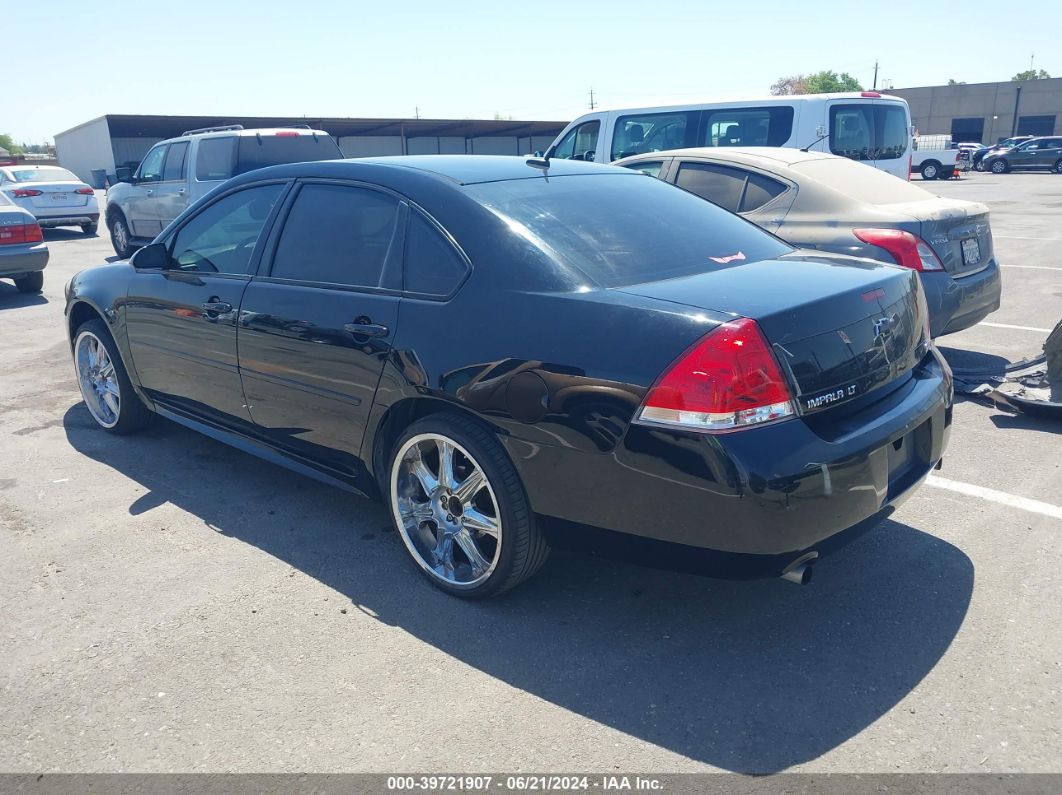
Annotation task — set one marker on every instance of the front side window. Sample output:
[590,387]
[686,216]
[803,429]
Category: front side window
[650,132]
[214,158]
[174,168]
[433,267]
[580,143]
[222,238]
[748,126]
[337,234]
[151,169]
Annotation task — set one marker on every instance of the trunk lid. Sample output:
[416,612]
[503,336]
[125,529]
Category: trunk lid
[840,327]
[958,231]
[56,194]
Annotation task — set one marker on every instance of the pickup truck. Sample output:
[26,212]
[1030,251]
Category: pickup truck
[934,157]
[177,171]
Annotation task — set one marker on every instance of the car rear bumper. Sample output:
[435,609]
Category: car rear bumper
[958,303]
[17,261]
[769,494]
[68,219]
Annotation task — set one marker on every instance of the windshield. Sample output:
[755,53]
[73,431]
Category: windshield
[42,174]
[625,229]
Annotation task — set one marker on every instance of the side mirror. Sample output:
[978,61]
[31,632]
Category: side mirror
[123,174]
[152,257]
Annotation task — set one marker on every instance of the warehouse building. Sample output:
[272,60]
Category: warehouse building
[987,112]
[122,140]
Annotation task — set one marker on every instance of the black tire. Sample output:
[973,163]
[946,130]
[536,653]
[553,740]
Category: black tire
[120,241]
[31,282]
[133,415]
[999,166]
[930,169]
[523,547]
[979,165]
[90,229]
[1058,166]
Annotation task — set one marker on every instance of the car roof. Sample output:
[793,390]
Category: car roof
[459,169]
[749,155]
[223,133]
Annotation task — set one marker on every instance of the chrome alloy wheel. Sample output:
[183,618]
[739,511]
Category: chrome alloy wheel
[446,510]
[97,379]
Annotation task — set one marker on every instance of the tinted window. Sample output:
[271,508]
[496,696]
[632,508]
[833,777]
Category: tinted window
[222,237]
[259,151]
[624,228]
[338,235]
[759,191]
[890,131]
[151,169]
[652,167]
[866,131]
[213,159]
[650,132]
[580,143]
[432,265]
[174,168]
[717,184]
[748,126]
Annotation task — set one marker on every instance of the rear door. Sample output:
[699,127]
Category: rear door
[171,192]
[874,132]
[317,326]
[142,209]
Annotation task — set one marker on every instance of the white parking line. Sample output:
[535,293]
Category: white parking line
[1026,237]
[1034,267]
[1019,328]
[1025,504]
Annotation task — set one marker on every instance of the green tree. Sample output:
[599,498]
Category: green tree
[784,86]
[7,143]
[828,81]
[1031,74]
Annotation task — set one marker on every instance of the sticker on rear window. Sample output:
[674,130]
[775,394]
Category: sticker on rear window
[730,258]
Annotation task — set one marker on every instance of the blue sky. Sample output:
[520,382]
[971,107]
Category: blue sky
[534,60]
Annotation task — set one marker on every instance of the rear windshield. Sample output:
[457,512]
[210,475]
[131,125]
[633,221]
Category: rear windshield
[271,149]
[43,174]
[861,182]
[625,229]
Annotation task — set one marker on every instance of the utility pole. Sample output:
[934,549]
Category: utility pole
[592,103]
[416,112]
[875,88]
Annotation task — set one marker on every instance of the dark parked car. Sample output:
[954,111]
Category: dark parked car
[510,353]
[829,203]
[1036,153]
[1008,143]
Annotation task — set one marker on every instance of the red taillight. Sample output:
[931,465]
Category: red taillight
[729,379]
[908,250]
[20,233]
[85,191]
[286,134]
[23,193]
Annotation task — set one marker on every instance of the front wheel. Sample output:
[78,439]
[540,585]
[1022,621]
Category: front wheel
[120,237]
[31,282]
[930,170]
[460,508]
[1000,167]
[104,383]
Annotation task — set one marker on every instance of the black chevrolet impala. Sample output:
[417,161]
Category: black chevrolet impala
[513,352]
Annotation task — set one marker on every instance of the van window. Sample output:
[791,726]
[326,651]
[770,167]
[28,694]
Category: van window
[651,132]
[214,158]
[748,126]
[580,143]
[868,131]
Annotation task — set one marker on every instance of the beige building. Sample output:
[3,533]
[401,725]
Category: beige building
[987,112]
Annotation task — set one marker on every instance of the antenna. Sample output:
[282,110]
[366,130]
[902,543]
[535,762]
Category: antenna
[593,104]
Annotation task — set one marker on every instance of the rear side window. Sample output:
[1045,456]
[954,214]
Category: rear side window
[214,158]
[731,188]
[433,267]
[222,237]
[337,235]
[868,131]
[651,132]
[621,229]
[271,149]
[748,126]
[174,167]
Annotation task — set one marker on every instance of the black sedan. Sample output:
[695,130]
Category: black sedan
[510,353]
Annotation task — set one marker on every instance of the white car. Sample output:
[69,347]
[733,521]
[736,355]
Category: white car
[55,196]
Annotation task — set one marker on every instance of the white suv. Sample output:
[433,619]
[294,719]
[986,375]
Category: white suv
[176,172]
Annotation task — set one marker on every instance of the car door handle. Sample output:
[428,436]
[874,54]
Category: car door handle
[214,306]
[366,328]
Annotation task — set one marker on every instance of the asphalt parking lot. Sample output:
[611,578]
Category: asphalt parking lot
[170,604]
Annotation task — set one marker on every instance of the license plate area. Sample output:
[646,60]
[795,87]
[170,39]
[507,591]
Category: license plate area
[908,458]
[971,251]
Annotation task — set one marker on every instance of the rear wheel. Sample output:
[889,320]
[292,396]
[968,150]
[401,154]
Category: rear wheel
[1058,166]
[120,237]
[104,383]
[930,170]
[31,282]
[1000,167]
[460,508]
[90,229]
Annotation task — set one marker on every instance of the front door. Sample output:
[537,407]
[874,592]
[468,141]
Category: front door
[181,321]
[171,192]
[315,332]
[142,204]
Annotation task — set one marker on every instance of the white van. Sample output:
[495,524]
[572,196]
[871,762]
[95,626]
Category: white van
[866,126]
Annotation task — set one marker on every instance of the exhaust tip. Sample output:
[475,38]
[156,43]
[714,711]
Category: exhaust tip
[801,575]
